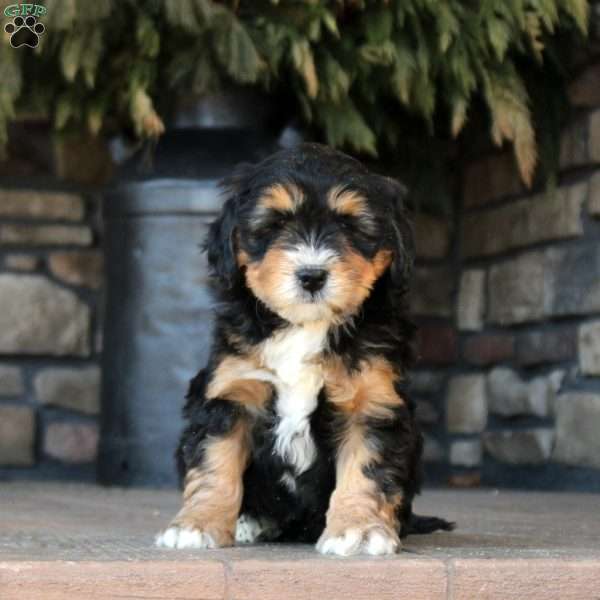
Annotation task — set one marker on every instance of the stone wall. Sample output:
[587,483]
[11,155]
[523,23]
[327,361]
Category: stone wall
[506,293]
[50,287]
[510,369]
[432,305]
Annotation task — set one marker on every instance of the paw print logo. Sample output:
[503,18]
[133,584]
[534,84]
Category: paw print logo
[24,32]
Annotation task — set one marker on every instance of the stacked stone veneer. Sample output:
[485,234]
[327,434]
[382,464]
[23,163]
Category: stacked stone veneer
[512,335]
[432,306]
[50,281]
[506,293]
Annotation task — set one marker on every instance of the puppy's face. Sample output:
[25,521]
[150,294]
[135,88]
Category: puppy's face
[311,254]
[311,247]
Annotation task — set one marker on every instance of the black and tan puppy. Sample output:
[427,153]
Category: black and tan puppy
[298,428]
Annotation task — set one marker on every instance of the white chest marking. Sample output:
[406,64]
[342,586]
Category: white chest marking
[298,379]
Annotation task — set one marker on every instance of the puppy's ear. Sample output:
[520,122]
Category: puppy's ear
[220,244]
[400,235]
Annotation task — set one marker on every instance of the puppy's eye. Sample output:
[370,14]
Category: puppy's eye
[348,225]
[277,220]
[358,228]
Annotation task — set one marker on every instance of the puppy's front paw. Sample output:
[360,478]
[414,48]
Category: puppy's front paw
[373,540]
[184,537]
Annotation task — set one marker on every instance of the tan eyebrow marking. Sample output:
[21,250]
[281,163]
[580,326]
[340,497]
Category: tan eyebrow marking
[281,197]
[347,202]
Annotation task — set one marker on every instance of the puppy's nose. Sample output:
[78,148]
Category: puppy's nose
[312,279]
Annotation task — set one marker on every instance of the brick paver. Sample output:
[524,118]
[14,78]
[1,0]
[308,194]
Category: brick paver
[80,541]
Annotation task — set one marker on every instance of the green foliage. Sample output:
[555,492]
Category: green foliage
[360,70]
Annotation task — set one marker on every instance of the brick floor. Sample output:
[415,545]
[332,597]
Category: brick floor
[79,541]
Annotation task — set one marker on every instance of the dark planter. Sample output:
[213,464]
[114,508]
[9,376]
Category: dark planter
[158,320]
[157,323]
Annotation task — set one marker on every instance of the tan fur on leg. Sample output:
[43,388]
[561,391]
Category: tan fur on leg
[360,517]
[212,495]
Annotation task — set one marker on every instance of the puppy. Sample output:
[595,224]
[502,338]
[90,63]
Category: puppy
[299,428]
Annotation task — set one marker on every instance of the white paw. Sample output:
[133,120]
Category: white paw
[247,530]
[176,537]
[375,541]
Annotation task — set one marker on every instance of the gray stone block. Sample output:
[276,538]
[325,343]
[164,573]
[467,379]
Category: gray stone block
[11,381]
[589,348]
[573,276]
[510,396]
[577,429]
[39,317]
[36,204]
[12,234]
[594,195]
[432,291]
[426,381]
[547,346]
[432,450]
[17,436]
[549,216]
[520,447]
[470,306]
[516,289]
[466,408]
[465,453]
[75,389]
[426,412]
[75,443]
[21,262]
[554,282]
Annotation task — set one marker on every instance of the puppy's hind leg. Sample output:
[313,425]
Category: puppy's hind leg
[249,529]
